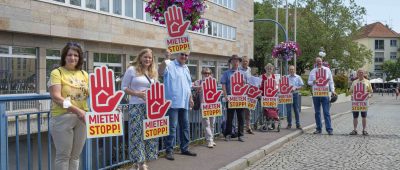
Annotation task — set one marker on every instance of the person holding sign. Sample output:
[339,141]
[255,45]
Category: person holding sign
[69,92]
[178,85]
[208,122]
[136,81]
[269,80]
[297,82]
[245,68]
[227,90]
[321,80]
[361,89]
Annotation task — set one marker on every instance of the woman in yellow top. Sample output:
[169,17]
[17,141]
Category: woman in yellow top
[361,78]
[69,91]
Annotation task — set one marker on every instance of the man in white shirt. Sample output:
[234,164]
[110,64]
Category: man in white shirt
[321,78]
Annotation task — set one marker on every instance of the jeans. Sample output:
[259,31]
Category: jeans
[69,135]
[324,101]
[178,115]
[230,115]
[296,109]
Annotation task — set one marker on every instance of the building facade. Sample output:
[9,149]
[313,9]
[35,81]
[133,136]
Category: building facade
[384,44]
[111,32]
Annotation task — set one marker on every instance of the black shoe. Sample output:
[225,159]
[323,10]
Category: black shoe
[227,138]
[317,132]
[330,133]
[250,132]
[289,127]
[240,139]
[189,153]
[299,127]
[170,156]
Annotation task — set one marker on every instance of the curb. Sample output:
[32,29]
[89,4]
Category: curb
[245,161]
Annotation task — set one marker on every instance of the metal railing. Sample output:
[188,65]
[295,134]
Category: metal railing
[30,147]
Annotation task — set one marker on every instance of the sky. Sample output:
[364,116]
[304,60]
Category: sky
[384,11]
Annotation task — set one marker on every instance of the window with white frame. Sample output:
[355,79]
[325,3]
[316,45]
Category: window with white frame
[379,44]
[104,5]
[117,7]
[193,65]
[393,55]
[230,4]
[129,8]
[60,1]
[75,2]
[378,67]
[393,43]
[17,69]
[113,61]
[379,57]
[139,9]
[91,4]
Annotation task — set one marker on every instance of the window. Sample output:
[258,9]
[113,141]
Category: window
[53,58]
[214,28]
[222,67]
[378,67]
[129,8]
[393,43]
[117,7]
[233,33]
[17,69]
[379,45]
[393,55]
[224,28]
[219,30]
[209,27]
[379,56]
[75,2]
[192,65]
[139,9]
[113,61]
[63,1]
[91,4]
[229,32]
[104,5]
[211,65]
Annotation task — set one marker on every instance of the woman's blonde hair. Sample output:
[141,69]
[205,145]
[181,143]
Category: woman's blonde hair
[268,66]
[152,71]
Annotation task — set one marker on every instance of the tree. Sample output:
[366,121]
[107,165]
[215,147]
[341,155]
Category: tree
[331,24]
[392,69]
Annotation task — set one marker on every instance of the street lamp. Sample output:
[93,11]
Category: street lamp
[322,52]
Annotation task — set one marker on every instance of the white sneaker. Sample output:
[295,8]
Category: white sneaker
[213,143]
[210,145]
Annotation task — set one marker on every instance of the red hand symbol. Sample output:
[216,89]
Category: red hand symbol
[238,87]
[320,77]
[103,96]
[210,93]
[359,93]
[285,87]
[269,88]
[174,21]
[253,92]
[156,104]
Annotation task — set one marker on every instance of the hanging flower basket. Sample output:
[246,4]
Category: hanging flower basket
[191,9]
[286,50]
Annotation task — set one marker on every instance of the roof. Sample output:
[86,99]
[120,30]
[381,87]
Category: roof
[376,30]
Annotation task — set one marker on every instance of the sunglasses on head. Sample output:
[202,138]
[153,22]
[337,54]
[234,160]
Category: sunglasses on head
[74,44]
[183,54]
[206,73]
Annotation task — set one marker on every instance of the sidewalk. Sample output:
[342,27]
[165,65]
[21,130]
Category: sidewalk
[227,152]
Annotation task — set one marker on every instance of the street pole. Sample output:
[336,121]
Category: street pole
[276,32]
[295,34]
[287,33]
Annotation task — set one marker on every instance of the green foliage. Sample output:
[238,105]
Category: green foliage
[331,24]
[341,82]
[392,69]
